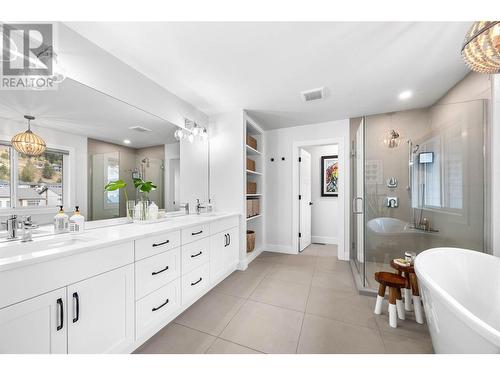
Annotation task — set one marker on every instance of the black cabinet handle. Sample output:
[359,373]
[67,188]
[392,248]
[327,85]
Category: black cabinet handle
[61,314]
[196,282]
[77,307]
[159,307]
[196,255]
[226,241]
[229,237]
[196,233]
[160,271]
[161,243]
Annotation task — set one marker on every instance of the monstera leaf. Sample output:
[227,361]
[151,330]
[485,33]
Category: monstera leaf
[144,186]
[115,185]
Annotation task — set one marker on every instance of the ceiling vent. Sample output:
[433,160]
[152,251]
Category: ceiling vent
[140,129]
[313,95]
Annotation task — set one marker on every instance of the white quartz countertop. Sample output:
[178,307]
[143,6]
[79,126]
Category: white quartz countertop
[14,254]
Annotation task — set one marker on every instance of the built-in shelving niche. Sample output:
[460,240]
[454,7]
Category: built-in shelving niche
[255,223]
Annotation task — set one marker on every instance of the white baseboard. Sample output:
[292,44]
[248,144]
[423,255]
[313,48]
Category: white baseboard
[327,240]
[279,249]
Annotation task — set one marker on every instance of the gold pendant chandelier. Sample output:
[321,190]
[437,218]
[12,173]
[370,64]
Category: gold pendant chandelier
[27,142]
[481,48]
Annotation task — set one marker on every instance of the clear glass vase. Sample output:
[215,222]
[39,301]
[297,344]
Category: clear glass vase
[129,207]
[141,210]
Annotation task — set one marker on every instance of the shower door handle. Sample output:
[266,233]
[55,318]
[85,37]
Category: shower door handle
[355,206]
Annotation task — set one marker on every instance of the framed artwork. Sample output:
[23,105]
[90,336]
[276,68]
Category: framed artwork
[330,176]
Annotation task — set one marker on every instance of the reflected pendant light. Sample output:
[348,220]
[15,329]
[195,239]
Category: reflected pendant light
[28,143]
[481,49]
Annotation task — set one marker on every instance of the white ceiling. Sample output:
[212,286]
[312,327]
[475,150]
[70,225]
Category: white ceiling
[78,109]
[262,67]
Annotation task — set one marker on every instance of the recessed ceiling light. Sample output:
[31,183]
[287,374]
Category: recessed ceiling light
[126,141]
[407,94]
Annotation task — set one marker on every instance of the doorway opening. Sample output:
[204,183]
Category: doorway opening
[318,186]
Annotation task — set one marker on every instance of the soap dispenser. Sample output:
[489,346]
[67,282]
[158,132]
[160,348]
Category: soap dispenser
[77,221]
[61,221]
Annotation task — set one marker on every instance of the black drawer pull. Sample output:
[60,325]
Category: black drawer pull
[226,242]
[161,243]
[159,307]
[77,307]
[61,314]
[196,233]
[160,271]
[196,255]
[196,282]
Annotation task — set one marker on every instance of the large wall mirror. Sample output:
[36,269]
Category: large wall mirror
[94,139]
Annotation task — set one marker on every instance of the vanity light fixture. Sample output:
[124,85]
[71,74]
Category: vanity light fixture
[27,142]
[191,131]
[481,48]
[407,94]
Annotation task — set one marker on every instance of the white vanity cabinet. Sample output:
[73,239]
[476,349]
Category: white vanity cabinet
[101,313]
[111,298]
[224,249]
[35,326]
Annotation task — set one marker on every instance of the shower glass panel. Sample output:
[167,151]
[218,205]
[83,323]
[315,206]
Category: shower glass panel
[423,182]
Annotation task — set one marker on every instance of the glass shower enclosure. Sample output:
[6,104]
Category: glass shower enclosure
[419,183]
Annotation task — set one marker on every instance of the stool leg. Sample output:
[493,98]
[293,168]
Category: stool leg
[393,319]
[380,299]
[417,304]
[408,306]
[399,305]
[407,293]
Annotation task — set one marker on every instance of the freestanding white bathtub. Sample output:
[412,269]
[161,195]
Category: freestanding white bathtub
[461,293]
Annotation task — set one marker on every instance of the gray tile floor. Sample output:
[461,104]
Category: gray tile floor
[283,303]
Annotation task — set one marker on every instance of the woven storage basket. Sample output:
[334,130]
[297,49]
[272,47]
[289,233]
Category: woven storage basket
[250,164]
[252,142]
[251,187]
[250,241]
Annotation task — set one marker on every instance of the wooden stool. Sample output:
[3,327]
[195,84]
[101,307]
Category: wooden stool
[395,283]
[411,288]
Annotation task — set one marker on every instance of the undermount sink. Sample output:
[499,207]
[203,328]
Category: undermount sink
[39,245]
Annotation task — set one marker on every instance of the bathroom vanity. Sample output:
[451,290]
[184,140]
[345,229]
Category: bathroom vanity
[110,289]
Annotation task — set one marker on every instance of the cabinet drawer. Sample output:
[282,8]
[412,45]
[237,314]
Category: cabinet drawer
[153,311]
[156,271]
[195,254]
[224,224]
[153,245]
[195,233]
[194,284]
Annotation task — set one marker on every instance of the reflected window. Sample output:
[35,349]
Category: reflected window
[438,182]
[112,173]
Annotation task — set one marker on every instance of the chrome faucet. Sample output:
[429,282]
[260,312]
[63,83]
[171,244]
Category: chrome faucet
[185,206]
[27,225]
[199,207]
[11,225]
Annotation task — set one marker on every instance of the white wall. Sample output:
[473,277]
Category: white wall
[172,157]
[194,172]
[325,210]
[279,190]
[77,145]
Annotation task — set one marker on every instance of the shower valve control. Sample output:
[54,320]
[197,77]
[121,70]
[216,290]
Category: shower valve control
[392,202]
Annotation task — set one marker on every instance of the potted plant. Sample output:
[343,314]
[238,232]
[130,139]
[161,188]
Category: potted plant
[144,187]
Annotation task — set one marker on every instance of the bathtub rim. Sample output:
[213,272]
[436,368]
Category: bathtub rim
[460,311]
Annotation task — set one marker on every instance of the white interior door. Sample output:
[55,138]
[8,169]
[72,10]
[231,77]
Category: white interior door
[305,199]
